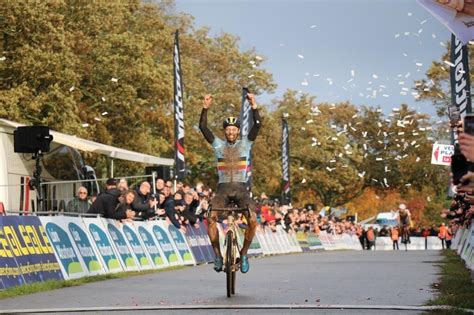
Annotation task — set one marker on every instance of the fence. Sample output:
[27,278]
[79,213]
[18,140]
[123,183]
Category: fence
[39,248]
[463,243]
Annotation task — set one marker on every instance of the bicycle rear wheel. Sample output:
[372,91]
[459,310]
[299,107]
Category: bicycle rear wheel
[229,262]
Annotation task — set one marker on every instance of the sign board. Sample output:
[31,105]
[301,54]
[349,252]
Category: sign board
[441,154]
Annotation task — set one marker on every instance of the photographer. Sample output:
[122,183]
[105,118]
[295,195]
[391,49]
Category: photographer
[144,202]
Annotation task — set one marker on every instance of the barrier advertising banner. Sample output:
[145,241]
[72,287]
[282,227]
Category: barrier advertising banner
[303,241]
[72,265]
[167,245]
[74,229]
[26,255]
[138,249]
[193,244]
[152,246]
[102,244]
[314,242]
[181,245]
[204,242]
[125,254]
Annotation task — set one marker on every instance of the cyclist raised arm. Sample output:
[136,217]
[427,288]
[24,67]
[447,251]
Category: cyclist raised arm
[233,156]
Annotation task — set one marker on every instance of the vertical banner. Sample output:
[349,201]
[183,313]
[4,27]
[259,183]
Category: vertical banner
[180,165]
[102,244]
[460,82]
[246,123]
[285,163]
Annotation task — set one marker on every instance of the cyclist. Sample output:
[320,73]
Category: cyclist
[232,167]
[404,220]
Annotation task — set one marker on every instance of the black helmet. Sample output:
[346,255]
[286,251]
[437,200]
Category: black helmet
[231,121]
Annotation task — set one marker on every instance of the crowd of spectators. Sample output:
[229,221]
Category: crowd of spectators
[183,205]
[461,210]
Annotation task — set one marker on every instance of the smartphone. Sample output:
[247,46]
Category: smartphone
[459,167]
[469,124]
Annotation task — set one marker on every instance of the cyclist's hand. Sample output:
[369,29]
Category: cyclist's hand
[251,99]
[160,211]
[207,101]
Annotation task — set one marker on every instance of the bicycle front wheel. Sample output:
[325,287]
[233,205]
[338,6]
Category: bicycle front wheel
[229,262]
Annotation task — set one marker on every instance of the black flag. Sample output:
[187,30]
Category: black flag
[460,83]
[285,163]
[246,123]
[180,171]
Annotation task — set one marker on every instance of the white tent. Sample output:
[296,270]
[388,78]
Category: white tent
[99,148]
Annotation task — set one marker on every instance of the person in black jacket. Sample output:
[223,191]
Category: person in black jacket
[169,206]
[106,203]
[144,203]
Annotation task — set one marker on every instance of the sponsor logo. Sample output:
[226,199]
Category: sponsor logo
[178,106]
[460,92]
[284,158]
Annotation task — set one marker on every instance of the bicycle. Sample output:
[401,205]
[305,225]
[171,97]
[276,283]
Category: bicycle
[405,236]
[231,246]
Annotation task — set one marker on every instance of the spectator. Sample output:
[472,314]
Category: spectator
[124,208]
[160,184]
[394,235]
[449,236]
[169,207]
[106,202]
[122,185]
[144,203]
[370,238]
[442,235]
[80,203]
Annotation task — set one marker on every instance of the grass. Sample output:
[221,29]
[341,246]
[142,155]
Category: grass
[455,287]
[58,284]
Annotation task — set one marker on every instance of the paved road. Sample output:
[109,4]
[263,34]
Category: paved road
[323,278]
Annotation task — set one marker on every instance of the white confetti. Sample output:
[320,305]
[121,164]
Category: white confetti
[304,83]
[303,181]
[251,76]
[97,119]
[2,58]
[433,35]
[313,26]
[422,22]
[449,63]
[375,76]
[301,56]
[71,88]
[419,64]
[286,115]
[85,125]
[379,159]
[361,175]
[397,35]
[103,99]
[104,113]
[409,14]
[353,73]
